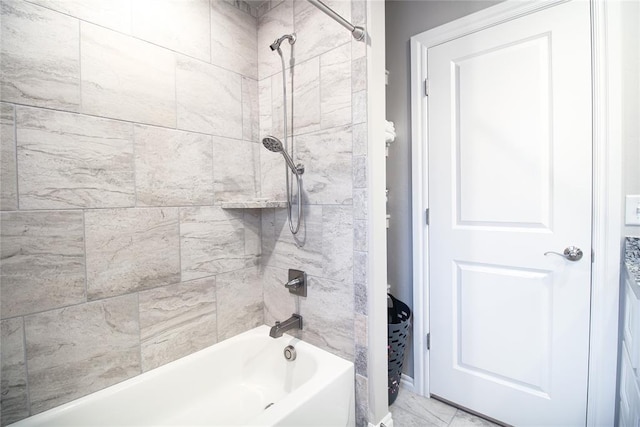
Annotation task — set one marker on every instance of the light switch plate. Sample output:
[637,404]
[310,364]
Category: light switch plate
[632,210]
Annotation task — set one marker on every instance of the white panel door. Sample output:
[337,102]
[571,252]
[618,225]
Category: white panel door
[509,131]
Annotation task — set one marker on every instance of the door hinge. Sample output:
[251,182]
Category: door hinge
[426,215]
[426,87]
[429,341]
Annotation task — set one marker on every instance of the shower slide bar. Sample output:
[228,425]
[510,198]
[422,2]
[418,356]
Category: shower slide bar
[357,31]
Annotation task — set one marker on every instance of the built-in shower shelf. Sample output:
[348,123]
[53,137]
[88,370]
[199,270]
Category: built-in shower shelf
[254,204]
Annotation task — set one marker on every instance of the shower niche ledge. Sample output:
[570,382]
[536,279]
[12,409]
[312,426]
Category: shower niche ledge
[253,204]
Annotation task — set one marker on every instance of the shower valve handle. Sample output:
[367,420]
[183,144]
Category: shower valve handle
[297,283]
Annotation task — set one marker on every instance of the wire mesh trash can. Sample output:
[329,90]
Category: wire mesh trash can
[398,319]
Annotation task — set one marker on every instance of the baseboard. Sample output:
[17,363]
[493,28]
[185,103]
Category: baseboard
[406,382]
[387,421]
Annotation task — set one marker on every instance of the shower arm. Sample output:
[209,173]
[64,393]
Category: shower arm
[357,31]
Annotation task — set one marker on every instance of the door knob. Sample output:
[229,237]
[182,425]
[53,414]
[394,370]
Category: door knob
[571,253]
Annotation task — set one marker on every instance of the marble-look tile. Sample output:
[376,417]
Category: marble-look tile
[252,232]
[264,7]
[127,78]
[306,96]
[272,175]
[358,49]
[359,17]
[327,159]
[42,261]
[360,203]
[264,107]
[267,235]
[40,57]
[328,315]
[337,243]
[173,168]
[77,350]
[362,401]
[359,172]
[271,26]
[360,240]
[360,281]
[234,169]
[211,241]
[257,149]
[177,320]
[240,302]
[359,107]
[14,399]
[130,250]
[8,172]
[114,14]
[431,411]
[359,137]
[359,12]
[360,359]
[359,74]
[68,160]
[361,330]
[317,33]
[335,87]
[279,304]
[233,39]
[277,104]
[182,26]
[248,7]
[209,98]
[464,419]
[303,251]
[250,113]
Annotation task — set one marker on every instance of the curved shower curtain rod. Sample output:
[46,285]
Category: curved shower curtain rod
[357,31]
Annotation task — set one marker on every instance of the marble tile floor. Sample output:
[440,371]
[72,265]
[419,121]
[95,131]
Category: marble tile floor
[412,410]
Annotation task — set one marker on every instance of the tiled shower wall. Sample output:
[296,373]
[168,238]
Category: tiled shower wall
[124,125]
[123,128]
[327,103]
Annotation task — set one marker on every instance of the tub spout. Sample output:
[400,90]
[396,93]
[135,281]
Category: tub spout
[294,322]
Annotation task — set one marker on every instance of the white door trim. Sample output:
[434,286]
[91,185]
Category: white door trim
[607,192]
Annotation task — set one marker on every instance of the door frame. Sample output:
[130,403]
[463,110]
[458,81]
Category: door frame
[607,191]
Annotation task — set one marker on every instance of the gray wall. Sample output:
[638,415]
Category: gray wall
[405,19]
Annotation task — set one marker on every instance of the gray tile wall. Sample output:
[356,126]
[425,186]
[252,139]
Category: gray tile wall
[121,136]
[328,105]
[121,132]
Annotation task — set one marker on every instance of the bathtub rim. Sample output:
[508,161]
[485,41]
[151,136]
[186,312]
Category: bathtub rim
[302,394]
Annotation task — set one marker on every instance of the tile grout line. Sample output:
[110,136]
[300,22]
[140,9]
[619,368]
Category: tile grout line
[139,334]
[26,364]
[133,166]
[15,154]
[84,251]
[176,129]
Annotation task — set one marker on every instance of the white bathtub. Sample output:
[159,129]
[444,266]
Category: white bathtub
[232,383]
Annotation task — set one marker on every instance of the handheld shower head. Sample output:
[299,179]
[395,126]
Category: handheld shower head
[276,44]
[272,143]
